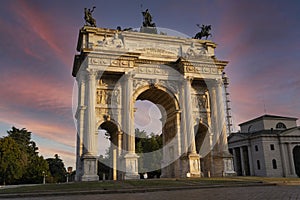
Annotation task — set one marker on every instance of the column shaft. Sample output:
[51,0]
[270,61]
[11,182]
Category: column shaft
[250,160]
[91,128]
[189,116]
[242,161]
[128,114]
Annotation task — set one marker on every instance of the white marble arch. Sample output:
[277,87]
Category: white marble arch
[158,68]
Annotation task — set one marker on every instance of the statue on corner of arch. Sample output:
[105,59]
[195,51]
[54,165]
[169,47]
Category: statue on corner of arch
[89,20]
[205,32]
[147,19]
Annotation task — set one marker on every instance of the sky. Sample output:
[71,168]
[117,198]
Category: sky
[38,39]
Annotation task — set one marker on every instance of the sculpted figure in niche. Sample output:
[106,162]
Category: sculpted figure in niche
[101,97]
[204,101]
[106,42]
[112,42]
[117,42]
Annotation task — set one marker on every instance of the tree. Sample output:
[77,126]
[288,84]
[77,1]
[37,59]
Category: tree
[23,139]
[34,165]
[12,161]
[149,149]
[37,167]
[57,169]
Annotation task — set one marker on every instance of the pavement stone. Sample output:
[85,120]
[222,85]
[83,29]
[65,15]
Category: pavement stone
[274,192]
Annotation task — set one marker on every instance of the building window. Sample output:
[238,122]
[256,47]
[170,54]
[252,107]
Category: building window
[280,125]
[274,164]
[256,148]
[272,147]
[258,164]
[250,129]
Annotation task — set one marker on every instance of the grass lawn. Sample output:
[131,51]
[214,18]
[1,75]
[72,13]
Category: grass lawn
[151,183]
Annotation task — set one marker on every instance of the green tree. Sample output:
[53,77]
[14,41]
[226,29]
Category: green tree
[149,149]
[23,138]
[36,168]
[57,169]
[12,161]
[34,165]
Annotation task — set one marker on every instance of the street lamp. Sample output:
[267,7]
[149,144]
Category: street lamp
[44,177]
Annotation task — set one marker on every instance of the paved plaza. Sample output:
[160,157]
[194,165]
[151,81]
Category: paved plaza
[224,193]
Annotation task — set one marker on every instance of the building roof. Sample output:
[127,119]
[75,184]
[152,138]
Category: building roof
[272,132]
[266,116]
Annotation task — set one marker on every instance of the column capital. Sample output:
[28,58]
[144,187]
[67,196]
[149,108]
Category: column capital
[219,82]
[189,79]
[91,72]
[129,75]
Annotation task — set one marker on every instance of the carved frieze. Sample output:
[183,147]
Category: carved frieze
[137,83]
[111,42]
[194,51]
[107,97]
[110,62]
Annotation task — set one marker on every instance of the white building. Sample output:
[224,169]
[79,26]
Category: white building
[267,146]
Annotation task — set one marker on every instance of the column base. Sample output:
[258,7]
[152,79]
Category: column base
[90,166]
[194,165]
[131,166]
[228,167]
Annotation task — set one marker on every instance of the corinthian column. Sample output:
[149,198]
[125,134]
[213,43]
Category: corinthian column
[193,157]
[130,158]
[91,124]
[128,114]
[89,159]
[189,116]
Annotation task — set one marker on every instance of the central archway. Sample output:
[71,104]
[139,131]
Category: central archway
[168,106]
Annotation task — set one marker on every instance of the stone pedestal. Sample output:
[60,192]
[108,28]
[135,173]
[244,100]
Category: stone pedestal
[131,166]
[152,30]
[194,165]
[89,168]
[228,167]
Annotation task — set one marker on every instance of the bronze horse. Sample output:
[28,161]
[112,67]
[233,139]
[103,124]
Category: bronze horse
[205,32]
[88,17]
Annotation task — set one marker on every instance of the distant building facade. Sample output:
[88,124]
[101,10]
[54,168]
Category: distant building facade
[267,146]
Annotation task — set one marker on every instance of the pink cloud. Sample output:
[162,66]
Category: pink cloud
[39,104]
[67,156]
[38,25]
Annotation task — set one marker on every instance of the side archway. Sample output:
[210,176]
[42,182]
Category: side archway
[109,164]
[202,147]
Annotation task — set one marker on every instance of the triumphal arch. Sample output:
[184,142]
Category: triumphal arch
[115,68]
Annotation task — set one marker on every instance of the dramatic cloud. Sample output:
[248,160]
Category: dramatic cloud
[260,39]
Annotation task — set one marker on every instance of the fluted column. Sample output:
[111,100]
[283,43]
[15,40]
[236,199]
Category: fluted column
[91,124]
[189,116]
[130,158]
[89,159]
[128,113]
[81,108]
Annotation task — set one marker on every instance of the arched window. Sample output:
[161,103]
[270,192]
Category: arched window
[250,129]
[280,125]
[274,163]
